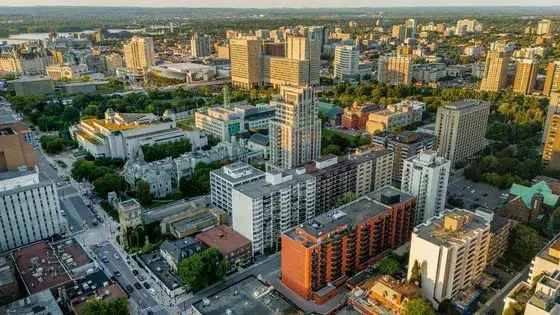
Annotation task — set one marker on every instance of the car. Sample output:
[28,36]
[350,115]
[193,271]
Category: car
[146,285]
[152,291]
[141,278]
[117,257]
[135,272]
[117,273]
[137,285]
[129,288]
[105,259]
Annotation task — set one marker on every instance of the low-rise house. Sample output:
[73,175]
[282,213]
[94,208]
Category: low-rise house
[527,203]
[234,247]
[381,295]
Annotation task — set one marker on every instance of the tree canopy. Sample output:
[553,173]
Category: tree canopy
[100,307]
[202,269]
[418,306]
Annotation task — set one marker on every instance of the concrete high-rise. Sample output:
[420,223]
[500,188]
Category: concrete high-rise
[449,254]
[461,129]
[295,132]
[551,150]
[139,54]
[201,45]
[552,81]
[426,176]
[246,62]
[495,72]
[544,27]
[16,147]
[345,62]
[553,108]
[394,70]
[251,66]
[525,76]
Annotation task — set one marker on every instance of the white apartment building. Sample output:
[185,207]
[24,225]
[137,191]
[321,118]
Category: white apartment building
[120,135]
[426,176]
[29,209]
[451,252]
[264,209]
[225,179]
[345,62]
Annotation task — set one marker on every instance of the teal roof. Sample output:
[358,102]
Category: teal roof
[527,193]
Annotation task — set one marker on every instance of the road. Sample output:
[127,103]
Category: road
[115,262]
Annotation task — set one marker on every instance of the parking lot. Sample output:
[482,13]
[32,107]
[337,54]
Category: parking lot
[475,194]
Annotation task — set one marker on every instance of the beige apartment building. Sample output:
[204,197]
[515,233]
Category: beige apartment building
[461,129]
[525,76]
[451,250]
[251,66]
[139,54]
[551,150]
[394,70]
[552,81]
[495,72]
[295,133]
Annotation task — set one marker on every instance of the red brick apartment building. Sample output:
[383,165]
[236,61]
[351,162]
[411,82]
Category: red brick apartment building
[319,255]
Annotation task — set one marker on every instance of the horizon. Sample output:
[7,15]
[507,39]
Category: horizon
[271,4]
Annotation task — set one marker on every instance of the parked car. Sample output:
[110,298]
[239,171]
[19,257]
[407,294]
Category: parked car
[147,285]
[135,272]
[129,288]
[137,285]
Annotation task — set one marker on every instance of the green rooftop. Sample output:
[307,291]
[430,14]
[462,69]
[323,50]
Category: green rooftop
[527,193]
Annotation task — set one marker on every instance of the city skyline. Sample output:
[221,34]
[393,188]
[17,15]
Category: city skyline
[278,4]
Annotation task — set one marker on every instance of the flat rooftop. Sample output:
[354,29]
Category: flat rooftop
[357,211]
[433,230]
[238,172]
[39,303]
[71,254]
[248,296]
[223,238]
[467,104]
[157,264]
[40,267]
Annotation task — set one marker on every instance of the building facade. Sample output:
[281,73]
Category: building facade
[319,255]
[345,62]
[461,129]
[449,253]
[29,209]
[295,132]
[552,81]
[201,45]
[394,70]
[426,176]
[225,179]
[139,54]
[525,76]
[495,72]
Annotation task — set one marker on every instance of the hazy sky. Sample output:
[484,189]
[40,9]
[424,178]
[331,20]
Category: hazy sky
[278,3]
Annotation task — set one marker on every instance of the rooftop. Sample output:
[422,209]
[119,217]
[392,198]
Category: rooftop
[223,238]
[467,104]
[238,172]
[39,303]
[183,248]
[39,267]
[528,193]
[452,227]
[161,269]
[248,296]
[71,254]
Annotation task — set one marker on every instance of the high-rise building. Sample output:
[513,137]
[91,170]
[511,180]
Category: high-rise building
[295,132]
[319,254]
[525,76]
[201,45]
[345,62]
[544,27]
[449,254]
[467,26]
[495,71]
[404,145]
[551,150]
[553,108]
[306,48]
[394,70]
[139,54]
[461,129]
[246,62]
[251,66]
[262,210]
[374,169]
[426,176]
[225,179]
[552,81]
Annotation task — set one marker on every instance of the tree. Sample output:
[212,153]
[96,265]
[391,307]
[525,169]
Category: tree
[416,273]
[161,151]
[388,266]
[202,269]
[107,183]
[418,306]
[143,193]
[524,243]
[100,307]
[447,308]
[52,144]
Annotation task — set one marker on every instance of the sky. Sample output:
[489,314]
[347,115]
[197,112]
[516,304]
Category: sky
[278,3]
